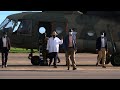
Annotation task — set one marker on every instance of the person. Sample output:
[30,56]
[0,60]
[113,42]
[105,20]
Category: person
[101,48]
[70,48]
[53,47]
[4,47]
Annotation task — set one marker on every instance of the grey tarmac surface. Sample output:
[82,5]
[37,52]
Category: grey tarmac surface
[20,67]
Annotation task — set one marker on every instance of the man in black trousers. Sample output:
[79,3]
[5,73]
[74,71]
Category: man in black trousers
[4,47]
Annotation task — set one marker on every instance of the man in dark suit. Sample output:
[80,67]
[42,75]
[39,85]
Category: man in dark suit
[70,48]
[101,48]
[4,47]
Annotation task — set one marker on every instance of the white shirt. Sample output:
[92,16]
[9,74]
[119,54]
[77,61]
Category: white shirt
[53,44]
[102,42]
[4,42]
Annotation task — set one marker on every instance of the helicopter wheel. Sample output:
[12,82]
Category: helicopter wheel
[115,60]
[35,60]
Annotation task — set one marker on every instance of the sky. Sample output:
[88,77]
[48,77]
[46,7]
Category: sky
[4,14]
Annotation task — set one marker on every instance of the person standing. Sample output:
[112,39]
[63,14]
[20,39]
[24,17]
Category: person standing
[53,48]
[4,47]
[70,48]
[101,48]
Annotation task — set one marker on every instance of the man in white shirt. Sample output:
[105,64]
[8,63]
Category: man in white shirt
[53,47]
[101,48]
[4,47]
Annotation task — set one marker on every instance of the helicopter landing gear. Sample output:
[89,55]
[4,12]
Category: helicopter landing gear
[38,60]
[35,60]
[115,59]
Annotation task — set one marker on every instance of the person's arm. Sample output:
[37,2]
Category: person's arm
[97,44]
[60,41]
[9,43]
[48,44]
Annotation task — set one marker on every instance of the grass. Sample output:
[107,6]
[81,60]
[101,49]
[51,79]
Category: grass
[20,50]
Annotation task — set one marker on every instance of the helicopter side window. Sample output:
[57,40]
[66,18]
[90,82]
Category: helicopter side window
[25,27]
[90,34]
[42,30]
[16,27]
[59,30]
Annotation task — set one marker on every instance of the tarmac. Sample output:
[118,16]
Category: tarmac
[20,61]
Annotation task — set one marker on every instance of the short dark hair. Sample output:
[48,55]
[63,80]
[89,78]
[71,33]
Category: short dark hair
[4,33]
[70,30]
[102,33]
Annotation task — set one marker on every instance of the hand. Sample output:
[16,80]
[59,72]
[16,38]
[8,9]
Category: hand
[75,51]
[107,51]
[47,51]
[96,50]
[62,38]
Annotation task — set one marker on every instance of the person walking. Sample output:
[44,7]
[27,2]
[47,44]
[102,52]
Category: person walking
[53,48]
[70,48]
[4,47]
[101,48]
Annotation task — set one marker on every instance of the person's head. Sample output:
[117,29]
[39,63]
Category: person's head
[70,31]
[54,34]
[102,34]
[5,34]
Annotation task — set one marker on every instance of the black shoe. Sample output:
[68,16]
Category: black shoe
[5,65]
[55,66]
[2,66]
[103,66]
[58,62]
[49,64]
[68,69]
[96,64]
[74,68]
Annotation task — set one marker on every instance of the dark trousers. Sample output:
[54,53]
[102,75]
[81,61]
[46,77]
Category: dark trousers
[4,55]
[54,56]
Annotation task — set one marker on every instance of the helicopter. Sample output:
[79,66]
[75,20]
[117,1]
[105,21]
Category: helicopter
[30,30]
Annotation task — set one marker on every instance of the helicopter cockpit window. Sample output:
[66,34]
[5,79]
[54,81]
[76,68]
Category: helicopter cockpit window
[25,27]
[4,23]
[42,30]
[59,30]
[10,24]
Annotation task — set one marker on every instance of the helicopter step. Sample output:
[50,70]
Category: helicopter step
[38,60]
